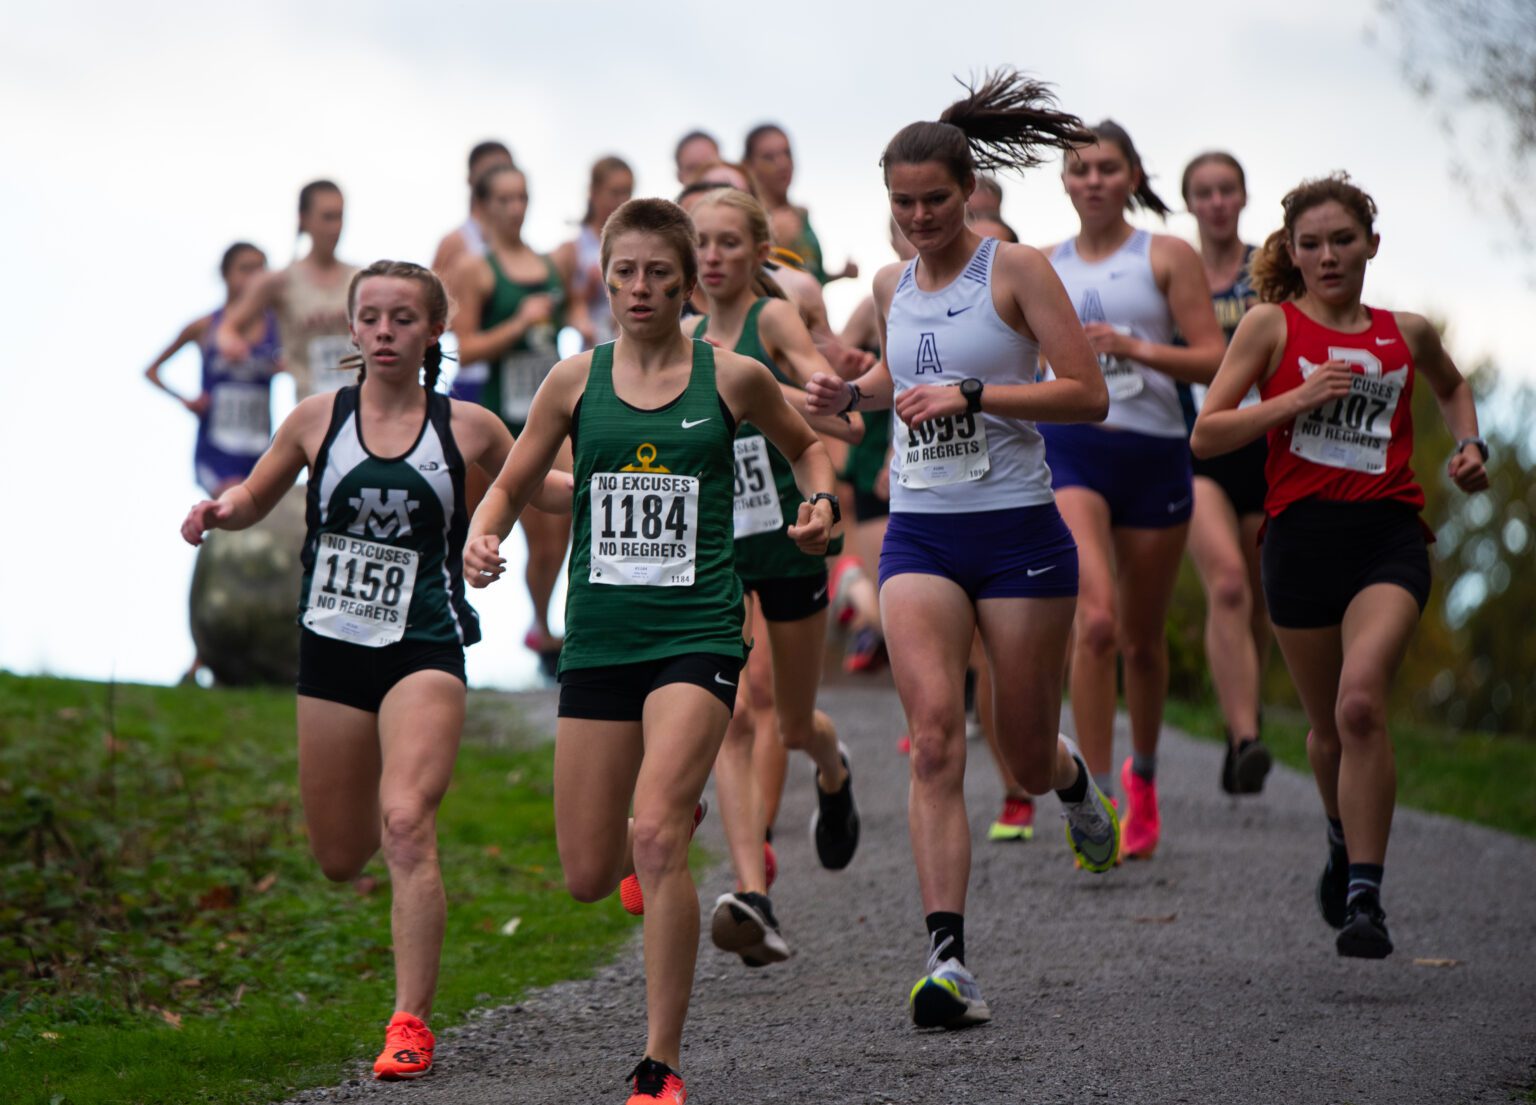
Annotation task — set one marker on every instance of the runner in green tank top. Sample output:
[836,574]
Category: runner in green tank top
[654,615]
[381,657]
[767,155]
[510,305]
[776,706]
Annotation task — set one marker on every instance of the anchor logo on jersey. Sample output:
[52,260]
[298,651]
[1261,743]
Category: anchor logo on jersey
[378,517]
[646,455]
[928,353]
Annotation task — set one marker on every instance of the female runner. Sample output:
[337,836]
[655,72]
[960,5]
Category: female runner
[309,298]
[1229,490]
[974,539]
[788,589]
[385,622]
[1346,573]
[654,618]
[612,183]
[766,154]
[511,303]
[1124,487]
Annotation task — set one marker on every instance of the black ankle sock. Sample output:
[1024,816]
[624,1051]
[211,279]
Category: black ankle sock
[1336,835]
[1364,878]
[941,925]
[1079,789]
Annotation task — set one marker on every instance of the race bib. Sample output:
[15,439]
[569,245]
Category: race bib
[324,355]
[757,508]
[1122,377]
[240,418]
[644,528]
[361,591]
[951,449]
[521,375]
[1354,430]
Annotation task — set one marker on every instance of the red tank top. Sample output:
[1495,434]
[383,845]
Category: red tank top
[1353,449]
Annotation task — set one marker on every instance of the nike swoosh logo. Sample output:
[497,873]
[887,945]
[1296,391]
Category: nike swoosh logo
[1180,505]
[687,425]
[819,595]
[723,682]
[1386,341]
[1118,275]
[952,312]
[1033,572]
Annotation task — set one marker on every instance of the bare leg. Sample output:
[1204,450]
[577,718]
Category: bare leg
[1215,546]
[1314,657]
[1028,638]
[1094,647]
[738,791]
[339,768]
[1149,564]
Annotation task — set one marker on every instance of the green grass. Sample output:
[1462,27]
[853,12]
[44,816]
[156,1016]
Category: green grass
[154,873]
[1483,777]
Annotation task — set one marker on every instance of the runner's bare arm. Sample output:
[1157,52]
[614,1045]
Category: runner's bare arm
[262,295]
[874,390]
[1251,359]
[1453,394]
[191,332]
[1180,275]
[789,343]
[247,503]
[449,250]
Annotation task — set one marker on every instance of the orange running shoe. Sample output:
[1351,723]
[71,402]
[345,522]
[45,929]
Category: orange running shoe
[1142,826]
[656,1082]
[407,1053]
[629,888]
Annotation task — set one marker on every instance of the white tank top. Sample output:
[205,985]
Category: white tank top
[589,283]
[473,237]
[967,463]
[1122,291]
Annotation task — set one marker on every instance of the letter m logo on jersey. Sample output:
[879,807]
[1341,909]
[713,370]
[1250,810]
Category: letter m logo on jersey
[380,518]
[927,354]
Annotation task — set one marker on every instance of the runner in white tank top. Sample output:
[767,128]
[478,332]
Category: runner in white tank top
[1125,488]
[974,541]
[580,259]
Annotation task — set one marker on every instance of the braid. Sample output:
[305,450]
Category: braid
[432,364]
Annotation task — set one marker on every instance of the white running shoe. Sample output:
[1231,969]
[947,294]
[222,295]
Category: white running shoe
[744,923]
[948,996]
[1093,825]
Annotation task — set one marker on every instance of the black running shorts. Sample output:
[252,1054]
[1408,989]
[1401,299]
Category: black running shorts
[1318,556]
[618,692]
[360,677]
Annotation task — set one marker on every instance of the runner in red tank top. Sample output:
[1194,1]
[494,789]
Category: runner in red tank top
[1346,574]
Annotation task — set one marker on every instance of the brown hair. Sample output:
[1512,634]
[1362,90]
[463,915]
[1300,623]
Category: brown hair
[1274,276]
[1144,197]
[438,308]
[761,131]
[483,182]
[757,226]
[602,169]
[1212,157]
[1005,123]
[736,167]
[662,218]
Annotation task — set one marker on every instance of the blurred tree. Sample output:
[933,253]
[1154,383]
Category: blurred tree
[1476,61]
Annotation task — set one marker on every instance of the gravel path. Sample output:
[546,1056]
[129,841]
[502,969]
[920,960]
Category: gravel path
[1204,975]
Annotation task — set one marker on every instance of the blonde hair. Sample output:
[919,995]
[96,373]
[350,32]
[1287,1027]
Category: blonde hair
[756,216]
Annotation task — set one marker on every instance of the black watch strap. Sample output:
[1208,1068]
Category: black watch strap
[837,511]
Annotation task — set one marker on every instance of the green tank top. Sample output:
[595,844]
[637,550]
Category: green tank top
[384,549]
[767,497]
[516,375]
[867,458]
[652,565]
[808,246]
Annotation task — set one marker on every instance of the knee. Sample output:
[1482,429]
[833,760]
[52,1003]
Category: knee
[797,735]
[1145,653]
[338,864]
[1229,592]
[1035,773]
[660,844]
[410,835]
[1361,715]
[586,883]
[1096,631]
[938,754]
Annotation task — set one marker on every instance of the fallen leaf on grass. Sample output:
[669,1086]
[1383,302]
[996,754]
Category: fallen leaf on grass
[217,897]
[172,1019]
[68,713]
[189,983]
[493,850]
[1161,919]
[1426,962]
[510,928]
[239,995]
[266,882]
[50,1035]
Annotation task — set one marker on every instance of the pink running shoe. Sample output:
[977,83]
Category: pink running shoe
[629,888]
[1141,826]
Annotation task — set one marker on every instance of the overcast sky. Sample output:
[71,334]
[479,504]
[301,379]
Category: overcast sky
[139,140]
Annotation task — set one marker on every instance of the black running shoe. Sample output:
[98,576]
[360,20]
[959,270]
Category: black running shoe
[1333,888]
[744,923]
[1251,762]
[835,824]
[1364,935]
[1229,767]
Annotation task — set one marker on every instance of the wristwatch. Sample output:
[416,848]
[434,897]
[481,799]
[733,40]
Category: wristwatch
[837,511]
[970,388]
[1482,446]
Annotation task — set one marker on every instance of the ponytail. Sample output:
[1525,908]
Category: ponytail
[432,365]
[1007,122]
[1144,197]
[1273,275]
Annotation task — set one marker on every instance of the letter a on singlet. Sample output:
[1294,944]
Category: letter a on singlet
[1092,309]
[928,354]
